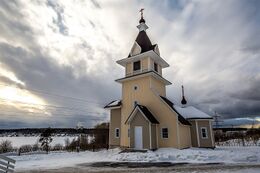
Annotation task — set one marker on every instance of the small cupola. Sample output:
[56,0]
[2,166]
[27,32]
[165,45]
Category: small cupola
[183,101]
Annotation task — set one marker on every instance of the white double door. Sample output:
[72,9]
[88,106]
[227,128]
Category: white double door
[138,137]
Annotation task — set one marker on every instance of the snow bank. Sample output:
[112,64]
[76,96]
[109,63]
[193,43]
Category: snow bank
[61,159]
[192,155]
[196,155]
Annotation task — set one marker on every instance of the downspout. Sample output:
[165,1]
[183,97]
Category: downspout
[197,131]
[150,131]
[211,134]
[178,135]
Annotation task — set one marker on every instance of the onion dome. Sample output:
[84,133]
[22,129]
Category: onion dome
[183,101]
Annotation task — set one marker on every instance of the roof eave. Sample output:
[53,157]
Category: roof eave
[149,53]
[154,74]
[202,118]
[112,107]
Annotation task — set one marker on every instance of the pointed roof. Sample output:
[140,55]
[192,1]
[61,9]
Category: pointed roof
[144,42]
[145,112]
[142,39]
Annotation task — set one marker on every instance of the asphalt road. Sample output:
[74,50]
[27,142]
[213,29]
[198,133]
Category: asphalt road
[164,167]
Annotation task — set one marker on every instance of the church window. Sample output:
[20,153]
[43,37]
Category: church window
[137,65]
[135,87]
[155,67]
[165,133]
[117,133]
[204,133]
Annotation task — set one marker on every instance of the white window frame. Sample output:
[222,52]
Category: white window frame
[206,132]
[139,70]
[162,133]
[116,133]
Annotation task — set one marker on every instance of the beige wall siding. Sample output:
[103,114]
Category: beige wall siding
[158,86]
[145,64]
[154,136]
[130,95]
[167,119]
[146,96]
[193,132]
[205,142]
[129,68]
[139,120]
[185,137]
[115,122]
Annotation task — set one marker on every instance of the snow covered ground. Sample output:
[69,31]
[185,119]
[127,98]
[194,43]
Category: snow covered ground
[193,155]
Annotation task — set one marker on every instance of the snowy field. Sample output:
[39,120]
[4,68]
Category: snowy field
[227,155]
[19,141]
[239,142]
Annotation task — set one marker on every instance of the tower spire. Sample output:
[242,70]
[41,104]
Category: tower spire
[142,26]
[142,16]
[183,101]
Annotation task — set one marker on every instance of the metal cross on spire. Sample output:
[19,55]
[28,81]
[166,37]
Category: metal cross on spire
[142,13]
[142,26]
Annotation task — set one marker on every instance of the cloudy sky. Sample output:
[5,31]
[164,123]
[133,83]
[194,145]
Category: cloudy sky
[57,58]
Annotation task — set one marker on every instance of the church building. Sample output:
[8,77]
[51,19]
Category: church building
[144,118]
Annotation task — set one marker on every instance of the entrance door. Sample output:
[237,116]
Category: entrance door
[138,137]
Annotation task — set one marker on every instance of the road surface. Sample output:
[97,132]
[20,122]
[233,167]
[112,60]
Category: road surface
[106,167]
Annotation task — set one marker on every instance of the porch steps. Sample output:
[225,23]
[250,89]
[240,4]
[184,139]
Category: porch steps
[131,150]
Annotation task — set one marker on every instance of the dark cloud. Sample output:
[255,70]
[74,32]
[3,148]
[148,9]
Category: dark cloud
[38,70]
[216,46]
[251,93]
[237,109]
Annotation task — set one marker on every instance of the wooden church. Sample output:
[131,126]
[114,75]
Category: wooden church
[144,118]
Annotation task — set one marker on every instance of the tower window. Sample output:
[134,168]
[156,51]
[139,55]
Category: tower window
[155,66]
[135,87]
[137,65]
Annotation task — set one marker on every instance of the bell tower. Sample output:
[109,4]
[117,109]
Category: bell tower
[143,75]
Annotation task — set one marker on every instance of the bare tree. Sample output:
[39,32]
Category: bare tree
[46,139]
[6,146]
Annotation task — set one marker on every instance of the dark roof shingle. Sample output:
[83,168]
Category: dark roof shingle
[148,114]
